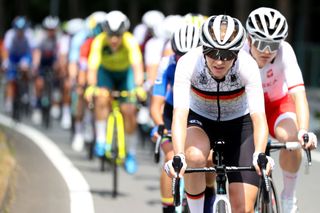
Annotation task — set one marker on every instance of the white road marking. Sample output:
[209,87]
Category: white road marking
[80,196]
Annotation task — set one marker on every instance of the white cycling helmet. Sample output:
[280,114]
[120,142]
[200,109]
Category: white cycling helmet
[185,38]
[74,25]
[168,26]
[116,23]
[95,18]
[268,24]
[235,34]
[152,18]
[50,22]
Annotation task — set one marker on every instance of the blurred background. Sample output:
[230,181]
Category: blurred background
[302,16]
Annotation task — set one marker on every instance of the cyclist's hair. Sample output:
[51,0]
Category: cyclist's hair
[50,22]
[267,23]
[20,23]
[116,23]
[223,32]
[185,38]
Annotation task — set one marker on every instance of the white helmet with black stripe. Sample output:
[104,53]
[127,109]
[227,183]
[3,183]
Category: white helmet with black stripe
[185,38]
[232,38]
[267,24]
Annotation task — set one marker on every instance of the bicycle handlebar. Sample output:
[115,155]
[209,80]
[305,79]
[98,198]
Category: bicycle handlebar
[177,165]
[308,152]
[292,146]
[157,146]
[262,162]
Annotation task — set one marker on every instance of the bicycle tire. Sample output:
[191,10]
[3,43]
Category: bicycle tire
[114,162]
[222,207]
[264,205]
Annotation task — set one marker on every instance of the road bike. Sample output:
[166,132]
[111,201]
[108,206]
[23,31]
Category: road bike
[115,152]
[46,96]
[221,203]
[267,200]
[21,101]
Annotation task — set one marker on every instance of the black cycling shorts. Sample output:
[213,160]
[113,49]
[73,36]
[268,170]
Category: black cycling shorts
[239,145]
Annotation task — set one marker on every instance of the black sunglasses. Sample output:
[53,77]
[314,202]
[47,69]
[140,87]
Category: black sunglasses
[219,54]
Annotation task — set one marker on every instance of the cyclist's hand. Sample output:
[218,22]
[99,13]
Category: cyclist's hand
[313,141]
[89,93]
[169,167]
[141,94]
[269,166]
[157,131]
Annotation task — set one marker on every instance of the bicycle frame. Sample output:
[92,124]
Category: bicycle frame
[222,203]
[115,119]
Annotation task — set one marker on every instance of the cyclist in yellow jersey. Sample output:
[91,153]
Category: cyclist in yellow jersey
[115,63]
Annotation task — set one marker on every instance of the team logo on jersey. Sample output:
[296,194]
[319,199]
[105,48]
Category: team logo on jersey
[270,73]
[203,77]
[194,121]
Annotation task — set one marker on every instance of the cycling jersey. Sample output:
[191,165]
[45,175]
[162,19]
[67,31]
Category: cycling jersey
[164,83]
[18,45]
[84,53]
[282,76]
[237,94]
[76,42]
[48,47]
[101,53]
[154,50]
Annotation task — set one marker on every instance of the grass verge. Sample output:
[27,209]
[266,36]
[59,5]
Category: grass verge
[7,164]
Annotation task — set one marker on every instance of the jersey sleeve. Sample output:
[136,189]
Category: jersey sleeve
[182,81]
[160,84]
[95,57]
[135,55]
[291,69]
[250,75]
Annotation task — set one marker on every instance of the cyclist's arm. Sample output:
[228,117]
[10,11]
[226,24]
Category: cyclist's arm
[156,109]
[135,57]
[260,131]
[179,129]
[302,109]
[138,73]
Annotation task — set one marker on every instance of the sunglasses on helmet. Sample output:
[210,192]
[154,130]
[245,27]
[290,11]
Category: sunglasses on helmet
[219,54]
[261,45]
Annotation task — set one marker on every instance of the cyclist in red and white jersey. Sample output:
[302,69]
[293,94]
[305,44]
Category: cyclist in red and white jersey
[285,97]
[218,96]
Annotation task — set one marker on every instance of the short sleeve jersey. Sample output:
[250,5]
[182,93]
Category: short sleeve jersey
[101,54]
[282,75]
[163,85]
[238,94]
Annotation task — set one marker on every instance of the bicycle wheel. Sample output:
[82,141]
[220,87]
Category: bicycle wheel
[267,202]
[222,207]
[115,163]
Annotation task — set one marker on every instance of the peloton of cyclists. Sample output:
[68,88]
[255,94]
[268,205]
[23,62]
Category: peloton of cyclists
[218,95]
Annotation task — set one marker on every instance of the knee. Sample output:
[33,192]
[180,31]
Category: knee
[195,157]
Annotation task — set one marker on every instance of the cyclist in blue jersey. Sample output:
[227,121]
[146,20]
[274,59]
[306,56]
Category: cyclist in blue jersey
[18,48]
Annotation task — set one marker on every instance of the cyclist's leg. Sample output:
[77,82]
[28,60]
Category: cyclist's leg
[243,186]
[102,110]
[210,190]
[125,81]
[78,138]
[11,75]
[38,88]
[165,181]
[283,126]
